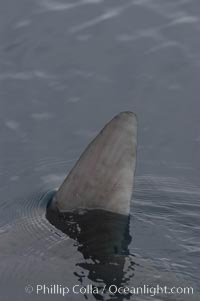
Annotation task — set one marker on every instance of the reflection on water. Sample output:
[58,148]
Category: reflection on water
[103,239]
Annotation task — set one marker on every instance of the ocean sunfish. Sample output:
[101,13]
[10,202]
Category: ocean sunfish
[103,176]
[99,188]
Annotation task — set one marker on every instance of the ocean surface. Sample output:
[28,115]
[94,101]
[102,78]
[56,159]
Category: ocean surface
[66,68]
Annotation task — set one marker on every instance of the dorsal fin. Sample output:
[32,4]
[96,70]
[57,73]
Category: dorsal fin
[103,176]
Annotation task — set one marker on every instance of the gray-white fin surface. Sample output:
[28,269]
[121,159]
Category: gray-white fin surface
[103,176]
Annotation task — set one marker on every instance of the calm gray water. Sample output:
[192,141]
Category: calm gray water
[66,68]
